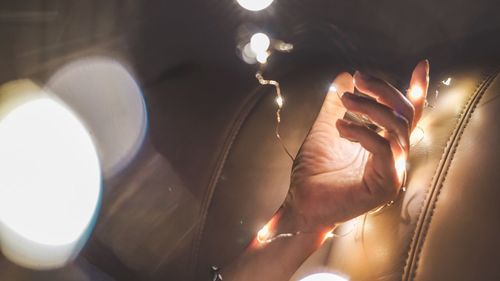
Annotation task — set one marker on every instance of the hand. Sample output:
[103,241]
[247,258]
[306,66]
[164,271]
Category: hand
[335,179]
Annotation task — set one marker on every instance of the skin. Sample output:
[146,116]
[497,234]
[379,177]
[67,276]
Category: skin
[342,171]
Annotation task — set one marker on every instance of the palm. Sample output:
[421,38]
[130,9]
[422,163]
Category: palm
[330,166]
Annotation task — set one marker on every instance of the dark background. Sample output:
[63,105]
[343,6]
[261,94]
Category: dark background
[184,54]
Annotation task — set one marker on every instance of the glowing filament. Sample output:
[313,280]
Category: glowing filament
[447,82]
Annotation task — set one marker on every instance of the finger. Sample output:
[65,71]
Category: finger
[417,92]
[384,170]
[374,143]
[332,107]
[382,115]
[399,154]
[385,93]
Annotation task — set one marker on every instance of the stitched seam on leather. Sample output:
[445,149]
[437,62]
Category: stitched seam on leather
[429,204]
[245,110]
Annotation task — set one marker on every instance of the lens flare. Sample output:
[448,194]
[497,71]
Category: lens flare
[108,99]
[50,184]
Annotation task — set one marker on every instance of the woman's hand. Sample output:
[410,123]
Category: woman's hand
[335,179]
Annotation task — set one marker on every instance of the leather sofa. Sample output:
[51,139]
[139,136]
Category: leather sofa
[208,180]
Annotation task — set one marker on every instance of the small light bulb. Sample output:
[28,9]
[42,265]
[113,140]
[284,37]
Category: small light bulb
[333,88]
[263,233]
[255,5]
[447,82]
[285,47]
[259,43]
[416,93]
[279,101]
[262,57]
[401,166]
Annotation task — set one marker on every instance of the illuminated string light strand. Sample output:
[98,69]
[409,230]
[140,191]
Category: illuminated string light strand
[263,236]
[279,102]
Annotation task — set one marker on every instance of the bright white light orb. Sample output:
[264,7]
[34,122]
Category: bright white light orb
[248,55]
[323,277]
[50,183]
[255,5]
[259,43]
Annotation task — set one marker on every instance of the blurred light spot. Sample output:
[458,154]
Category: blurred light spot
[262,57]
[109,101]
[255,5]
[50,183]
[248,55]
[415,93]
[447,82]
[323,277]
[284,47]
[259,42]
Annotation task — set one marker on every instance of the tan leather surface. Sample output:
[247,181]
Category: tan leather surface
[461,239]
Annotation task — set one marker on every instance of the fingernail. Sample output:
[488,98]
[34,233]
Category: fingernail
[346,95]
[344,122]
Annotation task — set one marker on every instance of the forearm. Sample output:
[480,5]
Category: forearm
[275,260]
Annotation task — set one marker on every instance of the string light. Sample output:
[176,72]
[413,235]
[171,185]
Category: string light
[447,82]
[279,102]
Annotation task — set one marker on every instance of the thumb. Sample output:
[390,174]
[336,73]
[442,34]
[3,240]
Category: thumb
[417,92]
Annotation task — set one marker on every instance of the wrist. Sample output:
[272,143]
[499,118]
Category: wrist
[288,220]
[294,218]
